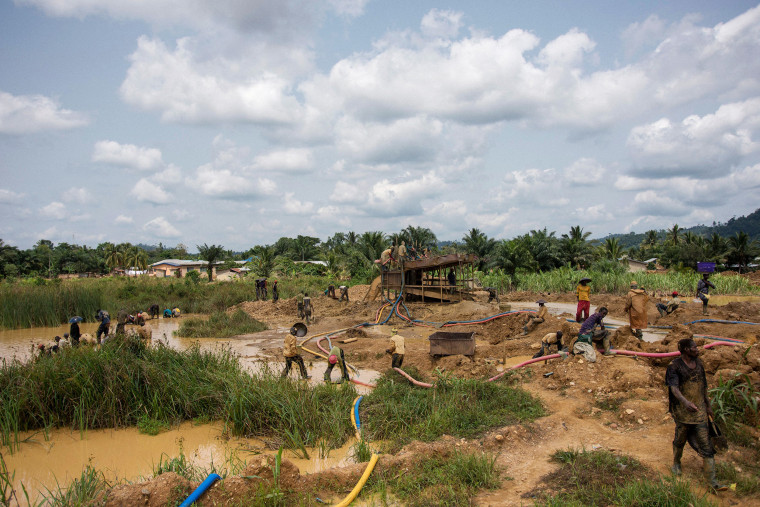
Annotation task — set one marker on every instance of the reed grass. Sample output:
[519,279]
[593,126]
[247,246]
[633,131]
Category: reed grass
[397,412]
[566,279]
[220,325]
[125,381]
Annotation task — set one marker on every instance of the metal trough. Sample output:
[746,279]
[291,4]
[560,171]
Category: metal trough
[444,343]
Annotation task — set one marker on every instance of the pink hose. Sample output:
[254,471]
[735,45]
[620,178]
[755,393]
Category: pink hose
[359,382]
[524,363]
[412,380]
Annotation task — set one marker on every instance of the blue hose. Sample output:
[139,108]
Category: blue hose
[356,413]
[195,495]
[723,322]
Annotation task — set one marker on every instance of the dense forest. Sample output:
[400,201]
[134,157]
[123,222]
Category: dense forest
[732,245]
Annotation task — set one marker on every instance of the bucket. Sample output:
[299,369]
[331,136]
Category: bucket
[300,328]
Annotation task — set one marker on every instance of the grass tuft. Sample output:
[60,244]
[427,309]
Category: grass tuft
[220,325]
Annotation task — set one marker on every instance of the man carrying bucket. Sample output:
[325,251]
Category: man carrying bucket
[290,351]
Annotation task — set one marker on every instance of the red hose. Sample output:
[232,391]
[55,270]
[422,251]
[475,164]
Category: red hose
[412,380]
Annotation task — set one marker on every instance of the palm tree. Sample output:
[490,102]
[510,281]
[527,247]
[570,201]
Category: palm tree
[544,248]
[717,247]
[210,254]
[478,243]
[612,249]
[741,249]
[511,255]
[575,249]
[263,261]
[114,256]
[420,237]
[674,235]
[372,244]
[650,239]
[351,238]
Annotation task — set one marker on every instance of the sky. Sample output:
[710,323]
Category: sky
[237,122]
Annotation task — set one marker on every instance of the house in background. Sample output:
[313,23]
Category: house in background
[178,268]
[635,266]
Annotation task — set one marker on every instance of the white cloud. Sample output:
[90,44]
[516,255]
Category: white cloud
[441,24]
[346,193]
[294,160]
[655,203]
[55,210]
[409,139]
[77,195]
[10,197]
[26,114]
[123,219]
[181,214]
[585,171]
[643,35]
[127,155]
[405,198]
[698,146]
[161,228]
[187,90]
[293,206]
[597,212]
[148,191]
[228,176]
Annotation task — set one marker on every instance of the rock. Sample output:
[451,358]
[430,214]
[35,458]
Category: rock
[145,491]
[499,437]
[629,411]
[640,421]
[613,426]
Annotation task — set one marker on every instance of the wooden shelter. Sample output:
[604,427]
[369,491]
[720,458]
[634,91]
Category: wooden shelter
[427,279]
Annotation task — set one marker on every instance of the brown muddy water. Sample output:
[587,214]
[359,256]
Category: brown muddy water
[44,461]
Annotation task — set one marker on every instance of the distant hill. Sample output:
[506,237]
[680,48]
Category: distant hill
[749,224]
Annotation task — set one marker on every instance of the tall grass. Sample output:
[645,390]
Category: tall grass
[449,480]
[124,382]
[220,325]
[399,412]
[566,279]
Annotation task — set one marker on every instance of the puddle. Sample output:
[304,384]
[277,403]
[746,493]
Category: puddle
[511,361]
[127,454]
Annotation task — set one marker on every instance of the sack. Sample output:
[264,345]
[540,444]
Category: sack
[719,442]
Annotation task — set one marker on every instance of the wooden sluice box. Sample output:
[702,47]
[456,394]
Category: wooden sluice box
[444,343]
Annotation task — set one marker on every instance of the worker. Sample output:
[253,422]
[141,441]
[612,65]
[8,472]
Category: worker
[307,308]
[689,405]
[275,292]
[121,319]
[144,332]
[330,292]
[337,356]
[290,351]
[299,303]
[669,306]
[343,292]
[396,349]
[104,318]
[589,334]
[75,333]
[636,306]
[492,294]
[532,321]
[582,295]
[452,279]
[703,291]
[387,257]
[547,341]
[176,313]
[153,310]
[402,252]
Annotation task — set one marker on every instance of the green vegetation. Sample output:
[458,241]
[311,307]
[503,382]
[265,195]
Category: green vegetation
[125,381]
[220,325]
[604,478]
[614,282]
[736,408]
[180,465]
[397,412]
[444,479]
[81,491]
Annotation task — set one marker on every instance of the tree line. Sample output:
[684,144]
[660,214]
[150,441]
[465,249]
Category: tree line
[352,255]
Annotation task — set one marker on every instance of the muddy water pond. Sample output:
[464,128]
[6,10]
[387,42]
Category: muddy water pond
[46,460]
[41,462]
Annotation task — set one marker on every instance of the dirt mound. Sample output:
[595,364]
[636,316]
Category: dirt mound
[163,490]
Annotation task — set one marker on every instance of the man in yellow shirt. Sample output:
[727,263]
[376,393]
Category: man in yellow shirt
[290,351]
[583,295]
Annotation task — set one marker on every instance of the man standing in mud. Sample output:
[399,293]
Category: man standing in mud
[636,306]
[307,309]
[582,294]
[290,351]
[105,324]
[299,302]
[703,291]
[690,407]
[337,356]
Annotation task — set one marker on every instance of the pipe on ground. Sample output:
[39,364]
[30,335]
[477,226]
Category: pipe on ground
[359,485]
[195,495]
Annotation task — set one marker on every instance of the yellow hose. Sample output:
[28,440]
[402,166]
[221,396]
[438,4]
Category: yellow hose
[359,485]
[353,418]
[326,358]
